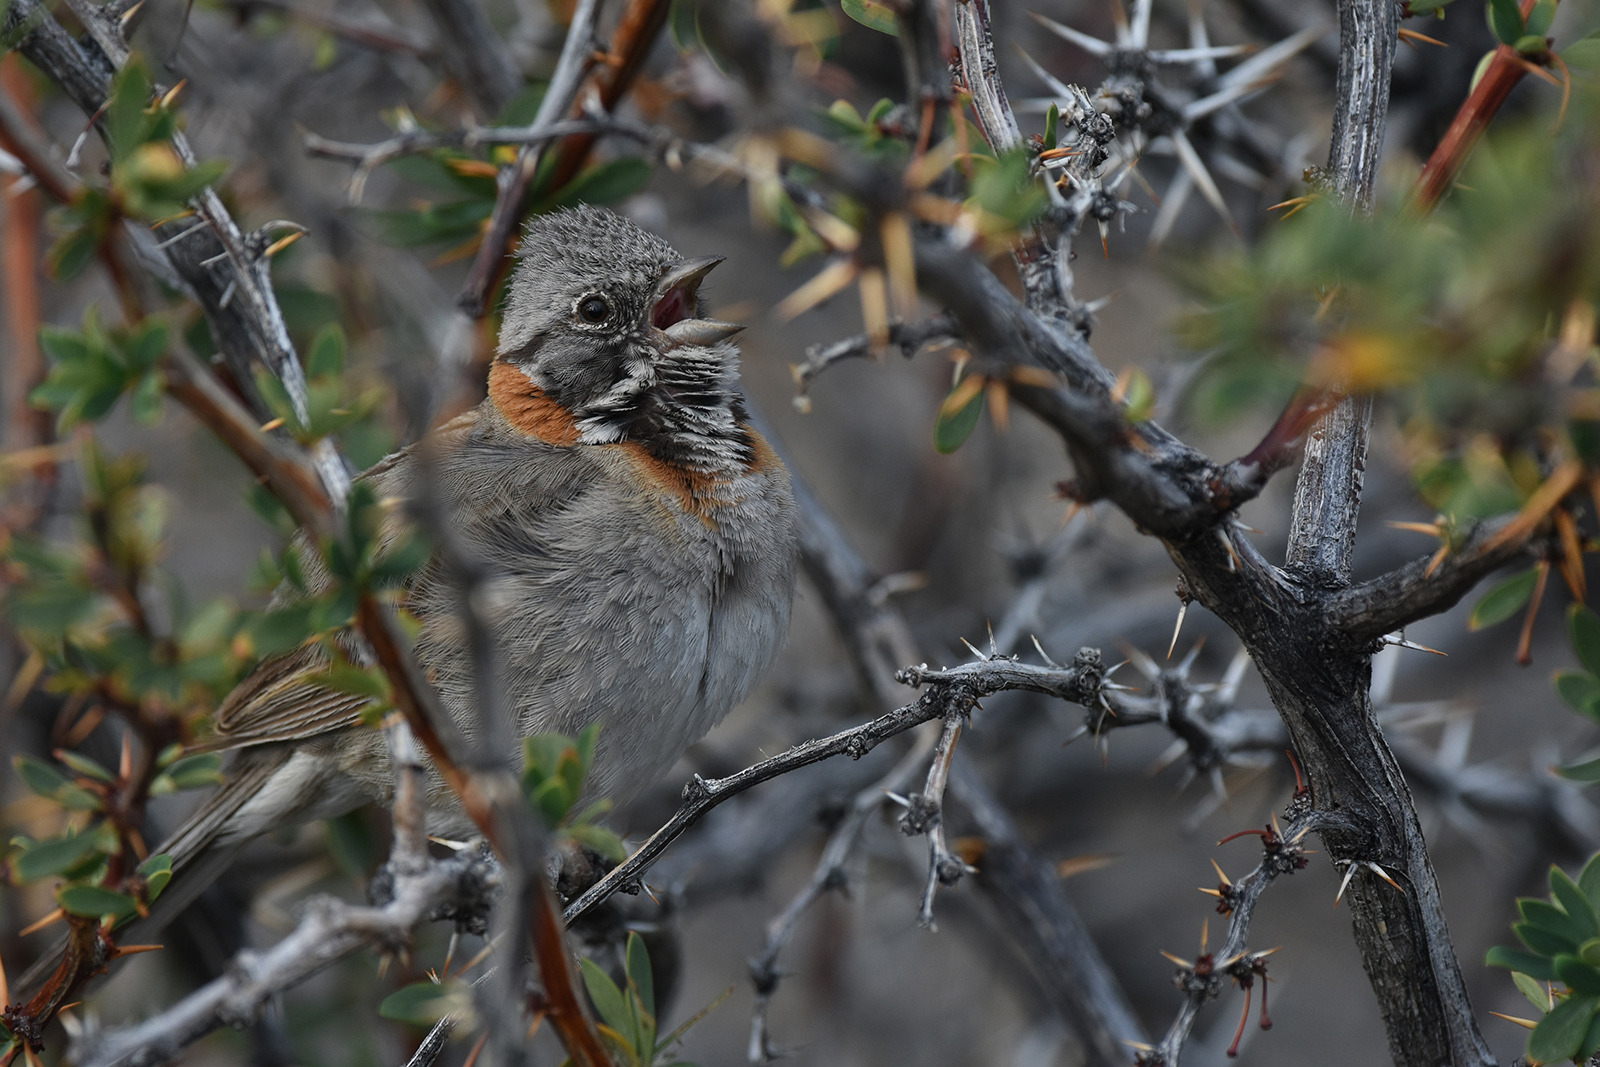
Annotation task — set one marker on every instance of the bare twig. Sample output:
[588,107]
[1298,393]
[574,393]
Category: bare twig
[909,337]
[1073,976]
[829,875]
[925,814]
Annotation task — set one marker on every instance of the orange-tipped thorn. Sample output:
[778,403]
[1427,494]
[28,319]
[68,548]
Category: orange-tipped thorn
[42,923]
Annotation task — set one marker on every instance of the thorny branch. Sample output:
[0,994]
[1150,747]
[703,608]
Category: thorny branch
[701,795]
[1201,980]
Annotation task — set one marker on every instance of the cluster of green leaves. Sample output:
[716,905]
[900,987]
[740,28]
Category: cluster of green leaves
[73,601]
[1005,187]
[868,134]
[149,180]
[92,368]
[554,768]
[320,586]
[467,186]
[80,857]
[1562,936]
[1474,323]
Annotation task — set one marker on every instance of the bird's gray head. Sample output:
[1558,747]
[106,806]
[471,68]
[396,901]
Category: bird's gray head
[605,319]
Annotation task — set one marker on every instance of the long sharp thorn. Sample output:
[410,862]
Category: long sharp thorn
[1381,873]
[450,952]
[1093,45]
[1349,872]
[1043,654]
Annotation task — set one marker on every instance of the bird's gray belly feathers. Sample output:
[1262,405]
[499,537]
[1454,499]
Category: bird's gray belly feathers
[615,607]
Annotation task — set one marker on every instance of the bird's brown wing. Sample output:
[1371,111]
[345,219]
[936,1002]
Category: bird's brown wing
[281,701]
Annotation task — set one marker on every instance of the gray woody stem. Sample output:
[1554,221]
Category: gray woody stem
[1328,709]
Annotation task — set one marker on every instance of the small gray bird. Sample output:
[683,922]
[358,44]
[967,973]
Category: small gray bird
[636,532]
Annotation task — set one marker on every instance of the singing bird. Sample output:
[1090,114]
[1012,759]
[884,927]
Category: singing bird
[635,532]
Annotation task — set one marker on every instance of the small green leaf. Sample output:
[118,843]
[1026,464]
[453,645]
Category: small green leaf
[1588,771]
[1577,974]
[1580,690]
[1560,1033]
[609,1002]
[873,15]
[48,782]
[95,901]
[1548,916]
[602,840]
[1480,70]
[1516,959]
[55,856]
[124,120]
[1565,892]
[84,765]
[420,1004]
[156,872]
[1589,881]
[1542,941]
[1584,627]
[1533,989]
[1505,19]
[642,985]
[843,114]
[191,772]
[39,776]
[326,356]
[1584,53]
[1591,1040]
[956,421]
[1504,599]
[1139,400]
[1052,120]
[1540,18]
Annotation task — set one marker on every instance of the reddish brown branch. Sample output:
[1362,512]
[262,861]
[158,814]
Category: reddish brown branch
[1505,70]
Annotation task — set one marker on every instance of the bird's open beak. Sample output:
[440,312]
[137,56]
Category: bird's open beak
[675,304]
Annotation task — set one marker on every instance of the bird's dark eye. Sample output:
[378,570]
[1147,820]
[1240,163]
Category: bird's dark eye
[594,309]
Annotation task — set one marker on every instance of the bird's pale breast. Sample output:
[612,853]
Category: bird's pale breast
[621,589]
